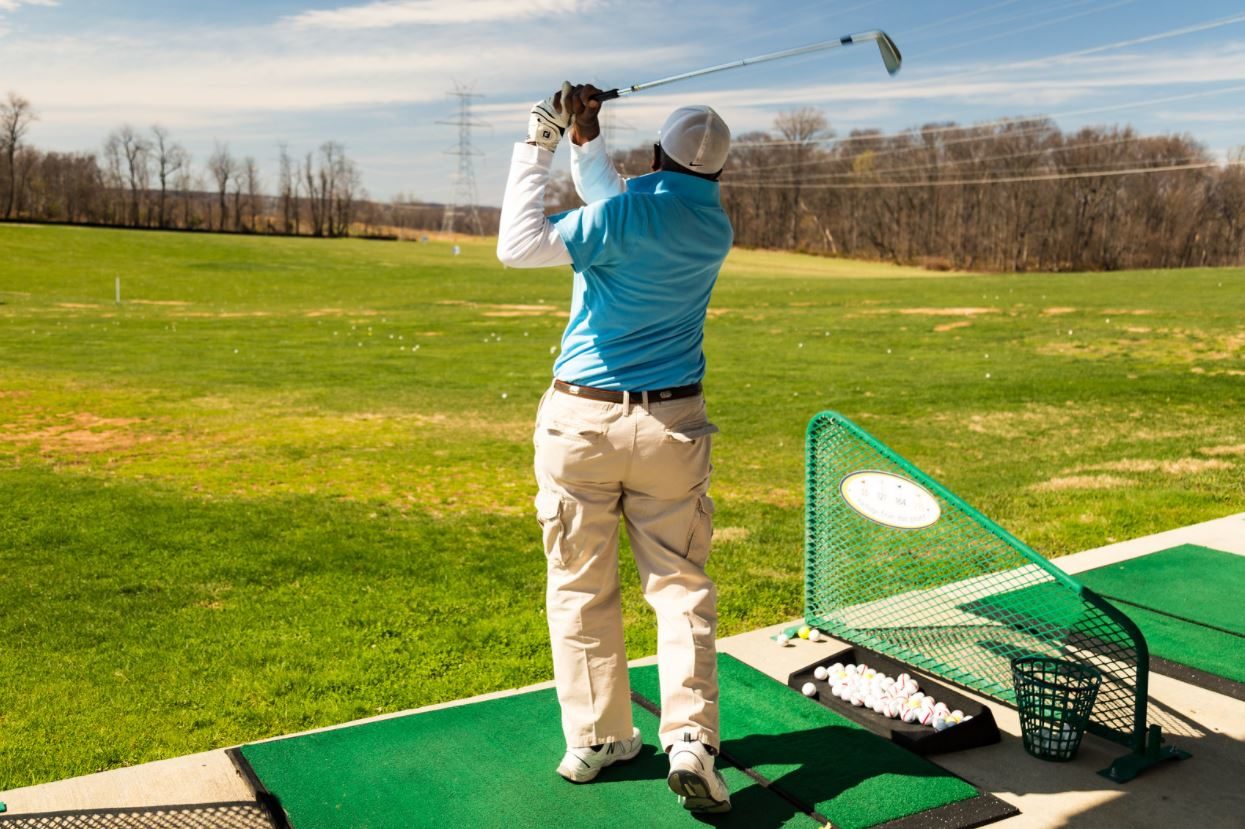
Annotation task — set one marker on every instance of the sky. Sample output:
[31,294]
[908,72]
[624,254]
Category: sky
[374,76]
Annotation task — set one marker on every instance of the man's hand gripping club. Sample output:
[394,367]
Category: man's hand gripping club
[551,117]
[549,120]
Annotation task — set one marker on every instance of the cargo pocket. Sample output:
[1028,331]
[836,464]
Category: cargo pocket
[574,432]
[700,539]
[691,433]
[556,516]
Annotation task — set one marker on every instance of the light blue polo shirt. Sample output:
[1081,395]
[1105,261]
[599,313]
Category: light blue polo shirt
[645,264]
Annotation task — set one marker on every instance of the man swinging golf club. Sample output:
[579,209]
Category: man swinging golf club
[623,430]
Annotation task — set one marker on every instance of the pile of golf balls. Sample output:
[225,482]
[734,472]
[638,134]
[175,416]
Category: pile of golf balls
[812,634]
[897,697]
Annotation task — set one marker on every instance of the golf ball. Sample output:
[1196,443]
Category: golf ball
[809,689]
[814,635]
[782,639]
[804,632]
[820,672]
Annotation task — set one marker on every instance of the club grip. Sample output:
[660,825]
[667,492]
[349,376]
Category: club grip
[608,95]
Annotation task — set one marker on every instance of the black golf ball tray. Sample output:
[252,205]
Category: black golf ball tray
[981,730]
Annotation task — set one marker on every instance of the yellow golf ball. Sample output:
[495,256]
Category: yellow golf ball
[804,631]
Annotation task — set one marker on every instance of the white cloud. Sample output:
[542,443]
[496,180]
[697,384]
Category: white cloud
[436,12]
[13,5]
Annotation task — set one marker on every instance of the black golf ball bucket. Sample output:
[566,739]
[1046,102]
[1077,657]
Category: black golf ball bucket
[1055,698]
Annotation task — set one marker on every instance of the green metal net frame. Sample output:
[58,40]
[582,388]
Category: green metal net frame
[961,597]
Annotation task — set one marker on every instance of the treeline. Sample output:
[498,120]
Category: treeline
[147,179]
[1014,196]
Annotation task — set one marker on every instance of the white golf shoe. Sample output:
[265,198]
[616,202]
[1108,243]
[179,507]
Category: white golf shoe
[693,778]
[579,765]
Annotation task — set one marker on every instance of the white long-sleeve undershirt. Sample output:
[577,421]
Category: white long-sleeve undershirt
[526,238]
[593,172]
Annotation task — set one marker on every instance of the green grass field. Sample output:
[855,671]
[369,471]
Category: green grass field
[286,483]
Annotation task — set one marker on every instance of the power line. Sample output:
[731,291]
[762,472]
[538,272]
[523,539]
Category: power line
[465,197]
[953,162]
[1089,168]
[985,24]
[919,132]
[900,185]
[1119,44]
[1039,25]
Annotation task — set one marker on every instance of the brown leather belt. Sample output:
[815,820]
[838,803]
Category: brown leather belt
[610,396]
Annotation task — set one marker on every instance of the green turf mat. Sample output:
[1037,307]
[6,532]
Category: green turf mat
[483,765]
[850,775]
[1173,639]
[1195,583]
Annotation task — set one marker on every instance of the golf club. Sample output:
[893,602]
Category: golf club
[890,57]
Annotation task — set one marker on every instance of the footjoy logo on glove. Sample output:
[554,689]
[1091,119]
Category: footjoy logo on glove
[890,499]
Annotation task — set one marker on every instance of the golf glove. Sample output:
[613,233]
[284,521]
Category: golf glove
[546,125]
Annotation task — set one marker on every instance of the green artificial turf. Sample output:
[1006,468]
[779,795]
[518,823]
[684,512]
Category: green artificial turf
[1190,582]
[1180,588]
[492,763]
[1170,592]
[485,764]
[287,483]
[847,773]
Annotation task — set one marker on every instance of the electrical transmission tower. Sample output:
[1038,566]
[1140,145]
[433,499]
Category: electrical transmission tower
[611,125]
[463,203]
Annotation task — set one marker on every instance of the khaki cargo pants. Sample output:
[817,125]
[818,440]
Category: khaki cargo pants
[649,464]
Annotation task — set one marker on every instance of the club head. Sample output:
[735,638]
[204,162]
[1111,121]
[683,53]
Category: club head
[890,53]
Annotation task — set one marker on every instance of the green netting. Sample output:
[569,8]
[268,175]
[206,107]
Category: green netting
[959,598]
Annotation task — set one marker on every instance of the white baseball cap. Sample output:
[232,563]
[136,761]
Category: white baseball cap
[697,138]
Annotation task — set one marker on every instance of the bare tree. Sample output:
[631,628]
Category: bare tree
[170,158]
[126,147]
[15,117]
[222,168]
[801,130]
[287,186]
[186,183]
[250,175]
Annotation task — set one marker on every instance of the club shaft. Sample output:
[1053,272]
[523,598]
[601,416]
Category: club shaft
[722,67]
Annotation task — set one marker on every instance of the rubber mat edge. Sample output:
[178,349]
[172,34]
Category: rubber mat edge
[268,801]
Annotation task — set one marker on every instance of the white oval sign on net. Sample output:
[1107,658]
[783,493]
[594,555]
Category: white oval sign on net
[890,499]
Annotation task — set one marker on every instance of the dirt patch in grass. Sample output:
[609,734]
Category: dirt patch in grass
[726,535]
[1057,311]
[338,312]
[1166,345]
[780,497]
[947,312]
[451,423]
[1223,372]
[1217,451]
[524,311]
[951,326]
[1024,423]
[1183,466]
[77,305]
[78,432]
[223,315]
[1127,312]
[1082,482]
[169,302]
